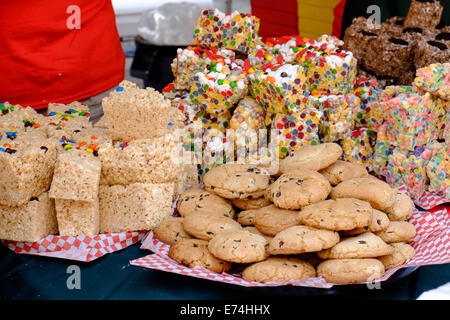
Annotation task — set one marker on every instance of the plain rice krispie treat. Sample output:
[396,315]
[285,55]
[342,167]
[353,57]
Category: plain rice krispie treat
[134,207]
[27,168]
[76,176]
[29,222]
[77,218]
[154,160]
[134,112]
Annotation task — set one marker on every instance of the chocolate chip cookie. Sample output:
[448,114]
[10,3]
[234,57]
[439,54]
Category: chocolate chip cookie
[237,181]
[349,271]
[279,269]
[398,231]
[299,239]
[245,204]
[299,188]
[403,252]
[171,230]
[343,170]
[379,222]
[402,207]
[378,193]
[206,225]
[365,245]
[239,246]
[271,220]
[197,200]
[194,253]
[312,157]
[337,215]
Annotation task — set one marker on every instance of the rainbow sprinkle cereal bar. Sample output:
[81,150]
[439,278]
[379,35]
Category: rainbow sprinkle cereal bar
[235,31]
[248,121]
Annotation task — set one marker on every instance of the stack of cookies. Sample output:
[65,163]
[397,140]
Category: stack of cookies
[318,216]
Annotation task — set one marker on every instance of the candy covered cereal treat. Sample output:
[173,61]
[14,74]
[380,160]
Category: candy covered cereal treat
[280,88]
[63,119]
[329,71]
[336,117]
[77,218]
[192,60]
[297,129]
[23,119]
[438,170]
[218,89]
[434,78]
[411,120]
[423,14]
[76,176]
[235,31]
[365,113]
[134,112]
[382,151]
[31,221]
[358,147]
[27,163]
[409,168]
[134,207]
[247,122]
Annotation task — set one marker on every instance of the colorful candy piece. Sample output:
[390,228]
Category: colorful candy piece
[235,31]
[297,129]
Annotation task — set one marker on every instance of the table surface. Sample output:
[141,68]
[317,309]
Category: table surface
[111,277]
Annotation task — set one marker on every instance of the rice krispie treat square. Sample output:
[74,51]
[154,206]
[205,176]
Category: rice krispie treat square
[134,112]
[30,221]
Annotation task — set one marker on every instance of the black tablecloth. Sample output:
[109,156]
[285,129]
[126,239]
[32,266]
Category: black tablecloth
[112,277]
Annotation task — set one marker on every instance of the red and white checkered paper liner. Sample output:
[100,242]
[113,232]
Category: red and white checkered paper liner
[432,245]
[80,248]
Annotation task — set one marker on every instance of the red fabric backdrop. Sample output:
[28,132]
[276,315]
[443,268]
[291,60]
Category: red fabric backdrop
[42,60]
